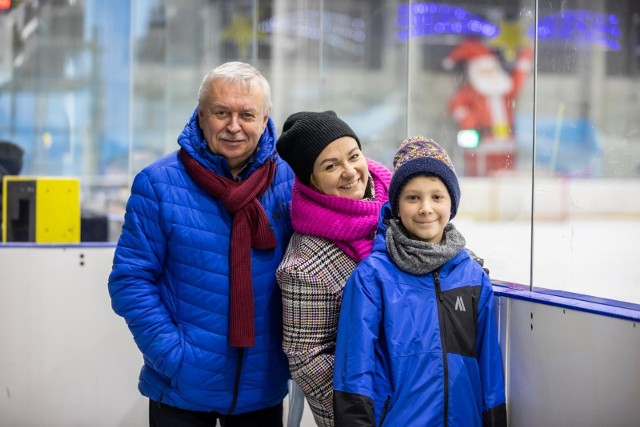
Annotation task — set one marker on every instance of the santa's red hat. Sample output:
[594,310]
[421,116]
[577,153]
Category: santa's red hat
[467,50]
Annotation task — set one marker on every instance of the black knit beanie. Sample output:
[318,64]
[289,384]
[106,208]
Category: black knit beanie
[305,135]
[422,156]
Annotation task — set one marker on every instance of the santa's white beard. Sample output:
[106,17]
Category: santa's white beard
[490,83]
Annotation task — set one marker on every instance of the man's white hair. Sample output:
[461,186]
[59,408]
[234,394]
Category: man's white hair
[235,73]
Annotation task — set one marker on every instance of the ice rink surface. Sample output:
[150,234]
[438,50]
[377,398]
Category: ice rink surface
[594,257]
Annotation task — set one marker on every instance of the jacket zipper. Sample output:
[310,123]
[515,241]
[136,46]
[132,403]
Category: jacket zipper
[385,408]
[443,343]
[236,384]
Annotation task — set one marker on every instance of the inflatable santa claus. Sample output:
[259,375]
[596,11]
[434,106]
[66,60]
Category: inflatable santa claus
[484,105]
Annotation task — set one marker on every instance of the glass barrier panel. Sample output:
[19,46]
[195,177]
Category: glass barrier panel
[587,164]
[535,102]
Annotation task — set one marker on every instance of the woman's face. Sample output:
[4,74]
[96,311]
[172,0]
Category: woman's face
[341,170]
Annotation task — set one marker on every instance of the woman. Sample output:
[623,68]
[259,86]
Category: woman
[336,201]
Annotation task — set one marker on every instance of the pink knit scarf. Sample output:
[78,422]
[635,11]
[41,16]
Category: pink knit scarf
[349,224]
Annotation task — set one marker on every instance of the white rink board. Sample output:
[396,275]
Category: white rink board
[67,359]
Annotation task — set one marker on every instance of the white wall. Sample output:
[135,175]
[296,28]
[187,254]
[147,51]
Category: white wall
[567,367]
[66,358]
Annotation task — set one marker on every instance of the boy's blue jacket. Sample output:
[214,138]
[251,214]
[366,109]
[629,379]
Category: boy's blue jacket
[417,350]
[170,281]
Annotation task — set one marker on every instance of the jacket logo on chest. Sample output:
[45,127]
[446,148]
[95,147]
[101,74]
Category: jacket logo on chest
[459,304]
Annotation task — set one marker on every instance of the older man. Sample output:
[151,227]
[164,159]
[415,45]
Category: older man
[194,269]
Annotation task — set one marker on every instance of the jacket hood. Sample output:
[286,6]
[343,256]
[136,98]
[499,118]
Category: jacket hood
[380,242]
[192,140]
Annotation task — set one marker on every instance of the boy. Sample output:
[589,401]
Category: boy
[417,340]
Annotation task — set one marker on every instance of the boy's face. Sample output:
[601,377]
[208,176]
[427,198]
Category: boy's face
[425,208]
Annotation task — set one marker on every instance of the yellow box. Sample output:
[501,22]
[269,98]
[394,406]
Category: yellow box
[40,209]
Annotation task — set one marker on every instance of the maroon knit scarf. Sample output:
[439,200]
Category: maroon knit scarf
[250,229]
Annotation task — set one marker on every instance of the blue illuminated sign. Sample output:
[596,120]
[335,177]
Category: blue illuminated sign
[582,26]
[419,19]
[335,29]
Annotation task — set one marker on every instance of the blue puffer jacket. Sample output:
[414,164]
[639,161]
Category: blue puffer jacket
[417,350]
[170,281]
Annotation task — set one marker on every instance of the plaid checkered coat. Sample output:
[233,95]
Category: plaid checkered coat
[311,276]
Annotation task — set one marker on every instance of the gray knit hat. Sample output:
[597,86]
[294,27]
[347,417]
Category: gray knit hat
[305,135]
[422,156]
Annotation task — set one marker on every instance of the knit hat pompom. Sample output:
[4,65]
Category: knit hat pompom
[422,156]
[305,135]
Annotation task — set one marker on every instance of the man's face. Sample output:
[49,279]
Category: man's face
[232,120]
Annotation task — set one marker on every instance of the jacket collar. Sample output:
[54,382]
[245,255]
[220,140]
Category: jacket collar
[192,140]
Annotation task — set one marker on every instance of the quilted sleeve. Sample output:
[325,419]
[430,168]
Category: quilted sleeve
[137,267]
